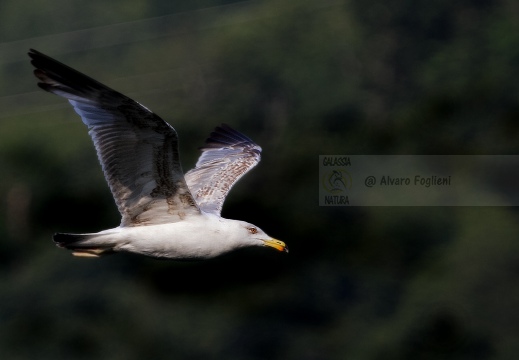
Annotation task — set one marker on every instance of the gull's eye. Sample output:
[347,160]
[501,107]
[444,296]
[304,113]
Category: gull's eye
[252,230]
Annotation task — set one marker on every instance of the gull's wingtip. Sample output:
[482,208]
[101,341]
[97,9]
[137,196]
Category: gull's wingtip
[34,53]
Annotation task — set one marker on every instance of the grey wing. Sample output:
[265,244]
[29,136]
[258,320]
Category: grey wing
[138,151]
[226,157]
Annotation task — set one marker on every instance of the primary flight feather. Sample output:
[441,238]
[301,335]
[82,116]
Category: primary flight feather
[164,213]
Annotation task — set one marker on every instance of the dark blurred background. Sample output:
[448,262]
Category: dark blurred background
[303,78]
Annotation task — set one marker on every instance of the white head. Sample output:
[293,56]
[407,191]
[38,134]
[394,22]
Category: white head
[252,235]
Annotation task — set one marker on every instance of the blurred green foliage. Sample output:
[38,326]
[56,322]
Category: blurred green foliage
[302,78]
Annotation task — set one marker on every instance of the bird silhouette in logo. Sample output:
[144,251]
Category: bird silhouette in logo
[337,181]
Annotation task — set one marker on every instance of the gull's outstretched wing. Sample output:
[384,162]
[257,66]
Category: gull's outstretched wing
[226,157]
[138,151]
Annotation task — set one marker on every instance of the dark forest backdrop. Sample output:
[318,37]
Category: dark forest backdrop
[302,78]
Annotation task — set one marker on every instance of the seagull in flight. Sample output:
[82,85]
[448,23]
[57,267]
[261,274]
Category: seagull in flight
[164,213]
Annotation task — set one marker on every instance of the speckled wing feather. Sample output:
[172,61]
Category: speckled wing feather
[138,151]
[226,157]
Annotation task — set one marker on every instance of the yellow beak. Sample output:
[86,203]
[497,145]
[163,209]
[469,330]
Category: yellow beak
[276,244]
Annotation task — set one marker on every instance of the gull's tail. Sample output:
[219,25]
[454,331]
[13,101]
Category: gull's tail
[86,245]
